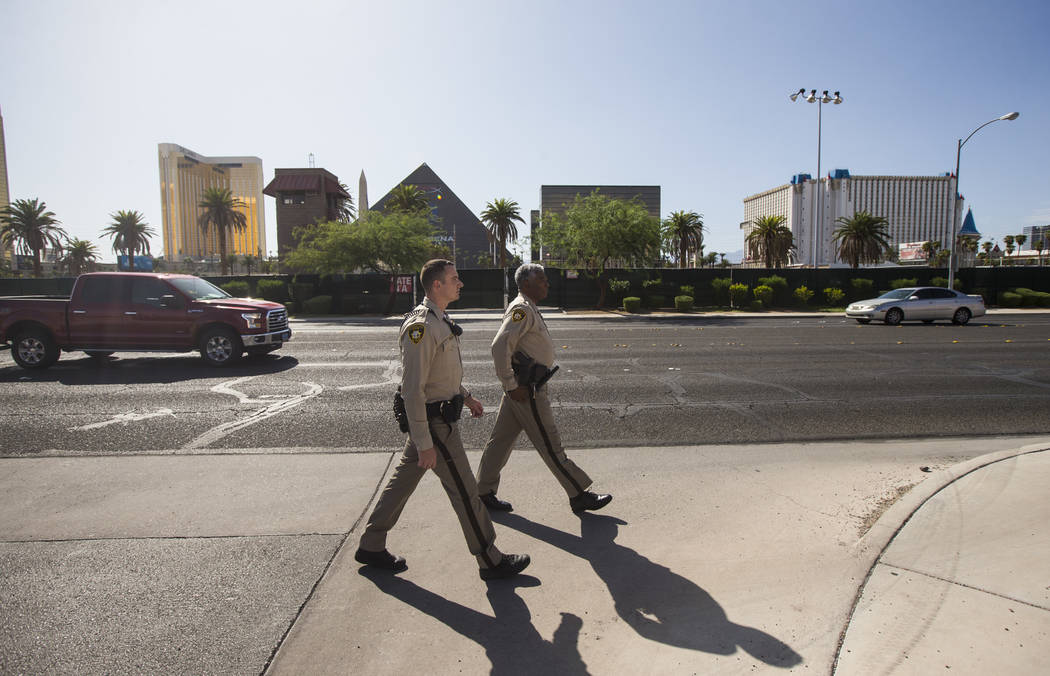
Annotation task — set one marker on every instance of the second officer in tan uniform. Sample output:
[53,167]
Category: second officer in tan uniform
[525,404]
[433,393]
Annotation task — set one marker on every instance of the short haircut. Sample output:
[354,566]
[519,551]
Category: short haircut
[432,271]
[525,272]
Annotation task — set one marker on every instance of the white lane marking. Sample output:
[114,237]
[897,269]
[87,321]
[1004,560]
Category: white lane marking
[220,431]
[388,378]
[124,419]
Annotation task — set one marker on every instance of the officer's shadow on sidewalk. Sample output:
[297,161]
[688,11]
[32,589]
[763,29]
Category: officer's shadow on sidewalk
[656,602]
[511,642]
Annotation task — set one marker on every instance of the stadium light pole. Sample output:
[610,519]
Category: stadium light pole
[819,100]
[953,259]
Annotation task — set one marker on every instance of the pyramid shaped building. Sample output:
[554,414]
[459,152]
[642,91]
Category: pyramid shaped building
[460,229]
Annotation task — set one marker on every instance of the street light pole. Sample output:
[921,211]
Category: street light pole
[819,214]
[953,259]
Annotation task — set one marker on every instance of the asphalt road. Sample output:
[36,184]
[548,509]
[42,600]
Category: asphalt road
[623,382]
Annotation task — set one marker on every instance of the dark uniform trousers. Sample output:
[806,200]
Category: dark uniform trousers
[456,476]
[536,418]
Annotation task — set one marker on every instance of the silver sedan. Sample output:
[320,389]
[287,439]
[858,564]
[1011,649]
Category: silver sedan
[918,303]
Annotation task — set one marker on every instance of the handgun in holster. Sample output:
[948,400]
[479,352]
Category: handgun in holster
[529,372]
[400,414]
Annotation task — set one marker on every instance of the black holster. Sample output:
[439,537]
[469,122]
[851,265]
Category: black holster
[450,410]
[400,414]
[529,372]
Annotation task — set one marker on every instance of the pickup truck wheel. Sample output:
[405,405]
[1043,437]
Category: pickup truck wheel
[220,347]
[35,349]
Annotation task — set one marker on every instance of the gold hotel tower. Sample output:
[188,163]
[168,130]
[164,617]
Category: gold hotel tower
[184,176]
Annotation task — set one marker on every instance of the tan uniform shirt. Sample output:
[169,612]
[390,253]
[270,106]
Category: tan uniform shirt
[431,367]
[523,329]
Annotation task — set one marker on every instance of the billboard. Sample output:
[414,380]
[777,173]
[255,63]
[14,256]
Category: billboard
[911,251]
[142,263]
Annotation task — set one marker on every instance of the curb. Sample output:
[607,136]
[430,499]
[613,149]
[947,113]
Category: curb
[896,517]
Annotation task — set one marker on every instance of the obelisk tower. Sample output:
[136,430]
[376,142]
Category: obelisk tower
[362,194]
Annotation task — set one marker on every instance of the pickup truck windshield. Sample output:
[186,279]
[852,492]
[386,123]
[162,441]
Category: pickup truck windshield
[198,289]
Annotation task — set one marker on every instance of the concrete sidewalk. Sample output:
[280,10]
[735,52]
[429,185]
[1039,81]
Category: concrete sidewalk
[711,559]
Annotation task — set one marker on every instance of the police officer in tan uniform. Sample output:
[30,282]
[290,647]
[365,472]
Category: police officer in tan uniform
[526,404]
[431,386]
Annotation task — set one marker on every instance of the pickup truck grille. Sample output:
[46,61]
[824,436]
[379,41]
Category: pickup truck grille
[276,320]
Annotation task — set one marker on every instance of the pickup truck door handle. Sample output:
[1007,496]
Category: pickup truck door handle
[80,312]
[131,312]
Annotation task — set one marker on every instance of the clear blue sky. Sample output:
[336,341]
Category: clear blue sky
[501,97]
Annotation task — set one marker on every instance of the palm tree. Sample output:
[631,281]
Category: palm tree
[499,216]
[1009,241]
[130,234]
[81,255]
[220,212]
[862,238]
[686,230]
[248,262]
[771,241]
[407,198]
[344,208]
[1038,246]
[1020,239]
[31,228]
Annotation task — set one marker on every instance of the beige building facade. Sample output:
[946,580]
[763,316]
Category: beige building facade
[918,209]
[184,177]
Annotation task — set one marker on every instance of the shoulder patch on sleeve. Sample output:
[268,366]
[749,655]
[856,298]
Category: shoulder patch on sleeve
[416,331]
[517,315]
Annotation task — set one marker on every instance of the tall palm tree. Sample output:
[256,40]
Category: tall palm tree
[1038,246]
[407,198]
[1020,239]
[29,227]
[221,212]
[1009,241]
[771,241]
[344,208]
[686,230]
[499,216]
[81,255]
[862,238]
[130,234]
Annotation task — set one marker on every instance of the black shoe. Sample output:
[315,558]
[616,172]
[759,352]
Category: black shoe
[511,565]
[588,501]
[492,502]
[383,559]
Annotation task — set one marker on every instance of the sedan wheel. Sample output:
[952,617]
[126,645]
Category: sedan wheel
[961,316]
[894,316]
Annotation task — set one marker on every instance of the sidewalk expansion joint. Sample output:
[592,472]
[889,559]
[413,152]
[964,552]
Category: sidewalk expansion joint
[967,586]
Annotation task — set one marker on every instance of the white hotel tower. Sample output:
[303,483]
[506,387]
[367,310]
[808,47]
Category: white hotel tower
[918,209]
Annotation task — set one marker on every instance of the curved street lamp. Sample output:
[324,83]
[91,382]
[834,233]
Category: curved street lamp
[819,100]
[952,258]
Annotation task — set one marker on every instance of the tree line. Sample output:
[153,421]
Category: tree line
[31,229]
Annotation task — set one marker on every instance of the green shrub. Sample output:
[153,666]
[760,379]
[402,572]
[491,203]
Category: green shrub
[683,303]
[802,295]
[904,282]
[318,305]
[938,281]
[687,290]
[618,287]
[632,303]
[720,285]
[738,295]
[275,290]
[756,306]
[652,284]
[833,296]
[779,286]
[654,301]
[237,288]
[861,289]
[764,294]
[1009,299]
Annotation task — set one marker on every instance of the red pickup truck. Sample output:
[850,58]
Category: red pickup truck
[132,311]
